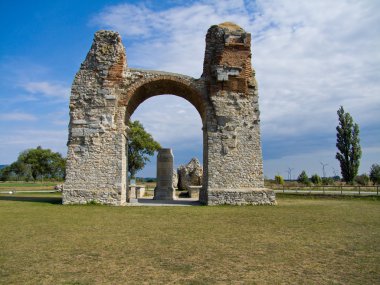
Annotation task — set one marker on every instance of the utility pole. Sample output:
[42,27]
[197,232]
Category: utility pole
[323,169]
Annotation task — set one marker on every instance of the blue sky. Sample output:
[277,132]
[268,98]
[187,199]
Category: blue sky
[310,57]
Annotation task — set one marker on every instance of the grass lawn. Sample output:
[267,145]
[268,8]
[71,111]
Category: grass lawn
[303,240]
[24,186]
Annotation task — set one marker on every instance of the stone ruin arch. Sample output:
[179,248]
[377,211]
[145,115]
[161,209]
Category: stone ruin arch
[106,92]
[151,83]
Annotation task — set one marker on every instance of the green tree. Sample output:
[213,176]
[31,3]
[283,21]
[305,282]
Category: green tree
[328,181]
[15,171]
[279,179]
[44,163]
[348,144]
[36,164]
[316,179]
[374,174]
[362,179]
[141,145]
[303,178]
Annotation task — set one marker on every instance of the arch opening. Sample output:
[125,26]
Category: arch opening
[160,86]
[172,121]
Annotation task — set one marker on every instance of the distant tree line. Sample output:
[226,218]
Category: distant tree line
[35,164]
[363,179]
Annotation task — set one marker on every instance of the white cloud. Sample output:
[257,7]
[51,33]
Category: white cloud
[17,116]
[306,73]
[47,88]
[31,80]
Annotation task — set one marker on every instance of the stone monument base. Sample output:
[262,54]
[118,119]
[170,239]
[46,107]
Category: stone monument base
[255,196]
[164,194]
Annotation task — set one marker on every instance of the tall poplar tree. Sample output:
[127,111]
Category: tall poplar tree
[348,144]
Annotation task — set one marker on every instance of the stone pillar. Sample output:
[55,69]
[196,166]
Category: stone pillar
[96,160]
[234,167]
[164,189]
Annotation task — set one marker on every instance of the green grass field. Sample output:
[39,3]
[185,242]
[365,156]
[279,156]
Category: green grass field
[303,240]
[25,186]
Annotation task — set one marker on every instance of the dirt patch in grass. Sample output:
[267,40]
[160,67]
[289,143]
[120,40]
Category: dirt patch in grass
[307,241]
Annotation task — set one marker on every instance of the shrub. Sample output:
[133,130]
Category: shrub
[328,181]
[93,203]
[374,174]
[336,178]
[279,179]
[303,178]
[362,179]
[316,179]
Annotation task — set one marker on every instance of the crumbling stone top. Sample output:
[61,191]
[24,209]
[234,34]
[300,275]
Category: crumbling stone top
[107,55]
[159,72]
[231,27]
[107,36]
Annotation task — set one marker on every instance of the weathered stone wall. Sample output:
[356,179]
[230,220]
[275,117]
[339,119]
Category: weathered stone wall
[96,147]
[105,93]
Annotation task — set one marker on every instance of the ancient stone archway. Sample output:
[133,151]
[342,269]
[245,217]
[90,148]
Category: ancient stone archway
[105,93]
[153,83]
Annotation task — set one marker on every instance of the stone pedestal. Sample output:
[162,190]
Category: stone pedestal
[132,192]
[140,191]
[164,189]
[194,191]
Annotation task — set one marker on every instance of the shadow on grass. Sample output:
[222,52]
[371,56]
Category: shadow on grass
[179,202]
[326,196]
[37,199]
